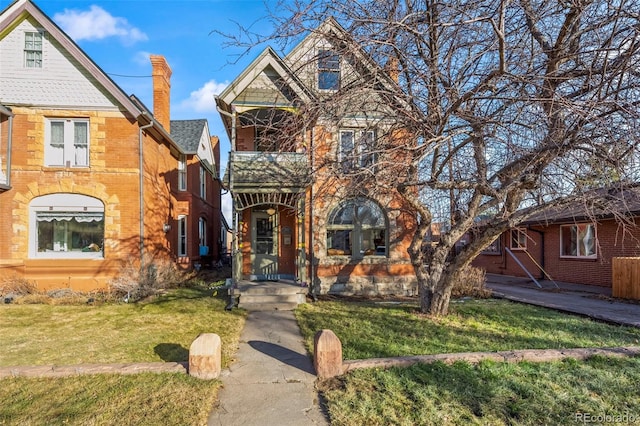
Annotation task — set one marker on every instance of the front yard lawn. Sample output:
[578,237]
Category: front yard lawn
[160,329]
[490,393]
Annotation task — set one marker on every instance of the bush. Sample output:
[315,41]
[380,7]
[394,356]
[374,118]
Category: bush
[135,283]
[470,282]
[17,286]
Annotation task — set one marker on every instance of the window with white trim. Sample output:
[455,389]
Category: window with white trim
[33,49]
[518,239]
[66,226]
[578,240]
[182,236]
[357,228]
[66,142]
[328,70]
[356,149]
[203,183]
[182,172]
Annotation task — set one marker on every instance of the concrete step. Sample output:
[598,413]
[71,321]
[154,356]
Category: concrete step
[272,298]
[268,306]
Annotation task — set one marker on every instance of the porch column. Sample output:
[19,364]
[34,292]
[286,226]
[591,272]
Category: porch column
[302,261]
[236,252]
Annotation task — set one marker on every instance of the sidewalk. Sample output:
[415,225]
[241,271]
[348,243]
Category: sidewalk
[579,299]
[272,380]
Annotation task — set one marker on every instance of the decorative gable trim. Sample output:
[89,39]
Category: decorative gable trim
[19,11]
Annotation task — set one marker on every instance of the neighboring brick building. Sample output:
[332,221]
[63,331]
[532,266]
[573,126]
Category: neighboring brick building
[88,177]
[570,245]
[314,228]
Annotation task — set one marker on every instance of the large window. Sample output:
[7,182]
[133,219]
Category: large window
[578,240]
[182,173]
[182,236]
[33,49]
[357,149]
[67,226]
[357,228]
[67,143]
[328,70]
[5,148]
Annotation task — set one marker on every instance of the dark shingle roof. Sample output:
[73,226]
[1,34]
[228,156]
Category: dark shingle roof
[187,133]
[603,203]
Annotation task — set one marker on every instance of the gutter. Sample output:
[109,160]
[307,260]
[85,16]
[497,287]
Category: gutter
[141,160]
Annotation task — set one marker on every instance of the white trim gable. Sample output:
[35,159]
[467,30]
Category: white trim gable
[70,65]
[267,59]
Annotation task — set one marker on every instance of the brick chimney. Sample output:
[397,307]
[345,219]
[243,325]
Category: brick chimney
[392,68]
[161,74]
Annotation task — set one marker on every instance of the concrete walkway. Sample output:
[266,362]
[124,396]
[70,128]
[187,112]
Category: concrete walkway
[579,299]
[272,380]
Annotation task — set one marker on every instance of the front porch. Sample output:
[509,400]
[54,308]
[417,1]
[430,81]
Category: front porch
[284,295]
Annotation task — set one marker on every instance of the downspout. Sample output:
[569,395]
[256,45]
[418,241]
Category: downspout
[141,160]
[312,270]
[235,252]
[9,129]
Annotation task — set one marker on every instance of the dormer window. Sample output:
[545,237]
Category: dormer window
[33,49]
[328,70]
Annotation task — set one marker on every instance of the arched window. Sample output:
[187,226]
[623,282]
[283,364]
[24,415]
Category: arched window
[66,226]
[357,228]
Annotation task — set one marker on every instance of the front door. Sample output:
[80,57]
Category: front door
[264,246]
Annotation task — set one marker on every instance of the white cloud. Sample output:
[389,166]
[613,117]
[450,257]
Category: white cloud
[142,58]
[96,24]
[202,100]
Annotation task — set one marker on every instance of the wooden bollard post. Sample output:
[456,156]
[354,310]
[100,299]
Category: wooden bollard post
[327,354]
[205,356]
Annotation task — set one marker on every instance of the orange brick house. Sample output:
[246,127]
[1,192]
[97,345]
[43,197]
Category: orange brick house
[89,179]
[315,228]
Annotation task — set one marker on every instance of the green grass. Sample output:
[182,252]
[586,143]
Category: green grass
[370,330]
[161,329]
[149,399]
[487,394]
[158,330]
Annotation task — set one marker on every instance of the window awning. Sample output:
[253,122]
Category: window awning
[69,216]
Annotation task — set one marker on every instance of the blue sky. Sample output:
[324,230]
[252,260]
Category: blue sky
[119,35]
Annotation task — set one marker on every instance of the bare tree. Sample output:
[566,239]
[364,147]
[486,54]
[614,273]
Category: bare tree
[504,106]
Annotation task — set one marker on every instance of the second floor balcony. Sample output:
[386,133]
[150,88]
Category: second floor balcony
[264,172]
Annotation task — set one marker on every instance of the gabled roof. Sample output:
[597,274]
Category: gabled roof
[332,31]
[188,133]
[267,60]
[20,9]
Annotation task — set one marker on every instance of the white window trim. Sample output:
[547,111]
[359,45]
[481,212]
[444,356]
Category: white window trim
[359,151]
[69,145]
[357,230]
[62,202]
[182,172]
[39,65]
[203,183]
[520,231]
[320,70]
[182,235]
[578,256]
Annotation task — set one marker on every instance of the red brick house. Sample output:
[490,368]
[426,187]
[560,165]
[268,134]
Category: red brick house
[296,226]
[89,177]
[570,245]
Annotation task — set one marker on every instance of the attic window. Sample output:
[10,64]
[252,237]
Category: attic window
[33,49]
[328,70]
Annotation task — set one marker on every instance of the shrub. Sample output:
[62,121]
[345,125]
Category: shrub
[470,282]
[17,286]
[135,282]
